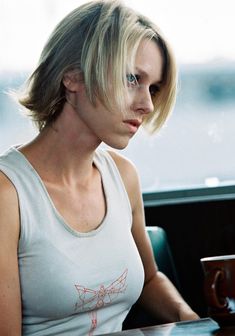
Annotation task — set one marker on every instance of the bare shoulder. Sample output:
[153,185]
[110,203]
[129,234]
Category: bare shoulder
[126,168]
[5,184]
[121,161]
[129,176]
[7,189]
[10,302]
[9,213]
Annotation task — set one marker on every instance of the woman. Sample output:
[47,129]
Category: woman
[74,255]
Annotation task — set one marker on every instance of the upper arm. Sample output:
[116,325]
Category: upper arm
[10,302]
[132,183]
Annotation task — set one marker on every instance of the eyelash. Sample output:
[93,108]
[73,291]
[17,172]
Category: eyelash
[133,80]
[154,90]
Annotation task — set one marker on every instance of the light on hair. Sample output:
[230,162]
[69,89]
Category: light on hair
[100,40]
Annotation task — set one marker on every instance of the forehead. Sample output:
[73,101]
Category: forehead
[149,60]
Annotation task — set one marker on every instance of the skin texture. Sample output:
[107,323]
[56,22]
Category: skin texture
[62,154]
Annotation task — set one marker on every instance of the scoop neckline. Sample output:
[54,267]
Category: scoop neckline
[57,213]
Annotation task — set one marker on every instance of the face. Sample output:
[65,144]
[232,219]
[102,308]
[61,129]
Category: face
[113,127]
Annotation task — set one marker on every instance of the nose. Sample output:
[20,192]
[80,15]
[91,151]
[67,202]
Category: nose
[143,100]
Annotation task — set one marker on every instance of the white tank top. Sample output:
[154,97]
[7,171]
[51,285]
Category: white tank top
[74,283]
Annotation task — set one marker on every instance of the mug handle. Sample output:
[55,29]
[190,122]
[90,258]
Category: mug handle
[211,289]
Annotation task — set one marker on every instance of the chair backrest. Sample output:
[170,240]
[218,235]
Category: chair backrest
[162,253]
[137,317]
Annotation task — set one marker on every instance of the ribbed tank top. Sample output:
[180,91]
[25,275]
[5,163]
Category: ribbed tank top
[73,283]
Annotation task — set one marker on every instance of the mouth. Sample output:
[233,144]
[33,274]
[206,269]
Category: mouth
[132,124]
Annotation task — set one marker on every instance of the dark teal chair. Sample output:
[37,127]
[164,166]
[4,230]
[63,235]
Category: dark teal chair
[162,253]
[137,317]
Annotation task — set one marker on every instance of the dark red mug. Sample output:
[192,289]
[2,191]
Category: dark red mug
[219,288]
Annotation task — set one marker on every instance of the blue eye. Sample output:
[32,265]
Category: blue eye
[132,79]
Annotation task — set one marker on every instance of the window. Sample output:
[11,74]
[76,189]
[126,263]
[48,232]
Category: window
[196,147]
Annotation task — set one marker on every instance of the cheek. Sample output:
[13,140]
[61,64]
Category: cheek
[131,102]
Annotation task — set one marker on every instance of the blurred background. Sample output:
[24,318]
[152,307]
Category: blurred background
[196,147]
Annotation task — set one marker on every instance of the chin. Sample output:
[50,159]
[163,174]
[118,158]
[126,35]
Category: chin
[118,145]
[121,147]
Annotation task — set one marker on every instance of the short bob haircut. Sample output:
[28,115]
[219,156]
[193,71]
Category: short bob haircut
[98,39]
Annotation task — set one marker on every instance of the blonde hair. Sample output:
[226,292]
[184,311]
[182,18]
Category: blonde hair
[97,38]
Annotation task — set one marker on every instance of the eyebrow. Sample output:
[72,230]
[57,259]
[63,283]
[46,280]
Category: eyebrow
[144,73]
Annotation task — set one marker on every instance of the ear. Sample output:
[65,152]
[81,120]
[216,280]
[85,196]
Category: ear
[71,81]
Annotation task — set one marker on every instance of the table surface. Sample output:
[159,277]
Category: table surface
[202,327]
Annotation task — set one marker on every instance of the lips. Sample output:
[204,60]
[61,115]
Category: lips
[133,124]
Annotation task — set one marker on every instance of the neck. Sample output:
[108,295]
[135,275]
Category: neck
[64,150]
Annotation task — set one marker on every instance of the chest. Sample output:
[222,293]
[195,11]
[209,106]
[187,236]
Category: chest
[83,209]
[80,274]
[59,267]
